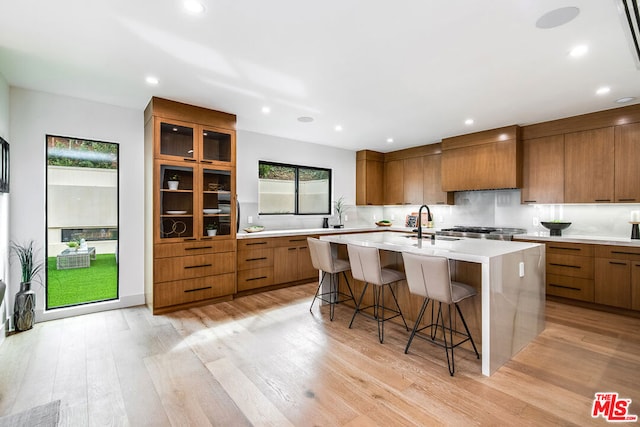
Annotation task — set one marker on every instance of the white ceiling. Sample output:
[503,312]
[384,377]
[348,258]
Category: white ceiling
[413,70]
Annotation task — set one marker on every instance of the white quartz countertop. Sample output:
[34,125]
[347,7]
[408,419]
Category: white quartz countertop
[297,232]
[596,240]
[464,249]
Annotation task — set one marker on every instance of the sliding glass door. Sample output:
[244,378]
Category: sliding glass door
[82,221]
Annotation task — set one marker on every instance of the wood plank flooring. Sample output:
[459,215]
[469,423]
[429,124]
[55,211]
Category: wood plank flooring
[265,360]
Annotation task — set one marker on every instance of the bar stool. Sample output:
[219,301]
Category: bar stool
[430,277]
[323,260]
[365,266]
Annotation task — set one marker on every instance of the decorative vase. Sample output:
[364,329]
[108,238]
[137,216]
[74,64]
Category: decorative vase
[173,185]
[211,232]
[24,307]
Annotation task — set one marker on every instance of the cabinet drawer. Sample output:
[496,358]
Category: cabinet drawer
[255,259]
[263,243]
[185,291]
[169,250]
[297,241]
[570,265]
[618,252]
[255,278]
[189,267]
[570,287]
[577,249]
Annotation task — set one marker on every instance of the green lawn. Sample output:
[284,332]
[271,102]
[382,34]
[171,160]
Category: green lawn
[81,285]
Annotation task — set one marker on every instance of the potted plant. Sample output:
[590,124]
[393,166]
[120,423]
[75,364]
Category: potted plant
[73,245]
[25,301]
[212,229]
[340,209]
[174,181]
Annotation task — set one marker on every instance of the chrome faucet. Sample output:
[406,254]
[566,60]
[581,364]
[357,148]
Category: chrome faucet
[420,219]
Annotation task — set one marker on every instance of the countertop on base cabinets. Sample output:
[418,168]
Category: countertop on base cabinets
[594,240]
[297,232]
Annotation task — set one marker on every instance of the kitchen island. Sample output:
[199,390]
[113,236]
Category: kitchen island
[512,285]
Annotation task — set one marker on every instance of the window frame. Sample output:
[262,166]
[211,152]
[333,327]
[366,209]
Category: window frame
[296,187]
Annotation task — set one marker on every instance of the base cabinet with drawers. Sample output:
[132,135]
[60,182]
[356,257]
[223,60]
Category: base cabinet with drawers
[264,262]
[570,270]
[617,276]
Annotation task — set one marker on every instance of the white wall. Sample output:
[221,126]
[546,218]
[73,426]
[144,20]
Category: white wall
[4,208]
[33,116]
[252,147]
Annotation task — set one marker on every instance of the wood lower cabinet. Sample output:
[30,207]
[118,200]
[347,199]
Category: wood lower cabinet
[543,170]
[589,166]
[264,262]
[617,270]
[569,268]
[292,260]
[255,263]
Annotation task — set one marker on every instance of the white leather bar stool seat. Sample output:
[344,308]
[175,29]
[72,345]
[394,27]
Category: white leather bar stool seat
[429,276]
[365,266]
[323,259]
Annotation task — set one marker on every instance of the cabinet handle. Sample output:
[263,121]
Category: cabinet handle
[256,278]
[603,200]
[626,200]
[197,289]
[530,201]
[190,239]
[566,249]
[292,249]
[625,253]
[297,240]
[206,238]
[196,248]
[256,243]
[302,247]
[564,287]
[206,161]
[256,259]
[617,263]
[564,265]
[186,159]
[197,266]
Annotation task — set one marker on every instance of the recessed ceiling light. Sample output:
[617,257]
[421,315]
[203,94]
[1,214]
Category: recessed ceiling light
[152,80]
[468,122]
[603,90]
[625,99]
[557,17]
[193,6]
[338,128]
[266,110]
[305,119]
[579,50]
[389,140]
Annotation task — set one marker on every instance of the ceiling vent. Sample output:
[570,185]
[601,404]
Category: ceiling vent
[631,23]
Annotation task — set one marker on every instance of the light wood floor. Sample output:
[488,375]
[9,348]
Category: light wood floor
[265,360]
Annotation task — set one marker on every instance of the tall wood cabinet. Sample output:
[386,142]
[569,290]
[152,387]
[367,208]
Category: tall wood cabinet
[627,172]
[190,206]
[369,178]
[543,170]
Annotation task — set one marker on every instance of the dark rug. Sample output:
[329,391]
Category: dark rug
[41,416]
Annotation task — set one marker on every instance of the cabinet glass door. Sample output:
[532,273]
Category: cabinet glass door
[176,140]
[176,202]
[216,146]
[217,202]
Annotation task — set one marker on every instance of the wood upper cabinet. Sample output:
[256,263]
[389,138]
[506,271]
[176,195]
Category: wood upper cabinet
[483,160]
[627,170]
[543,170]
[413,180]
[589,166]
[369,178]
[432,182]
[394,182]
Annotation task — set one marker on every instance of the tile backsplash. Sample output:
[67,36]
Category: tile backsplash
[499,208]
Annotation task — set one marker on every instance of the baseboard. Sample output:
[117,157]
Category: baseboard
[79,310]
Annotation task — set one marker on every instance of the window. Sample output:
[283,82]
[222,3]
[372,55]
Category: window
[290,189]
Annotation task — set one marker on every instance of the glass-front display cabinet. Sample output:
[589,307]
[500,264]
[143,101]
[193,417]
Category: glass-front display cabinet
[176,202]
[195,143]
[217,202]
